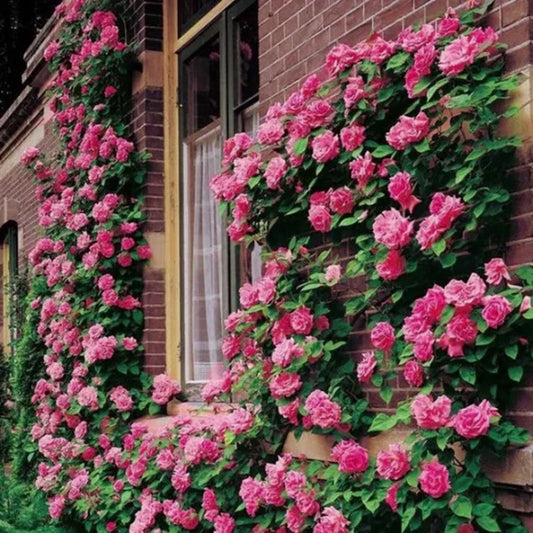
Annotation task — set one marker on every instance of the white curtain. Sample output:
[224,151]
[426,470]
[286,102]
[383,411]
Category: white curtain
[205,264]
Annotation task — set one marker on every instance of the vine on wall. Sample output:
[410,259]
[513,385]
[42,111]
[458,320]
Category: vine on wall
[393,151]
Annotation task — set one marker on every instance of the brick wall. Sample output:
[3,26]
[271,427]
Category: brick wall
[146,23]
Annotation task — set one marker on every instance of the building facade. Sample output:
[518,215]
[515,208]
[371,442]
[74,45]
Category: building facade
[208,69]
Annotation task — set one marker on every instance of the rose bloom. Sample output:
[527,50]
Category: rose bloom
[325,147]
[390,498]
[331,521]
[164,389]
[362,169]
[382,336]
[285,352]
[408,130]
[392,229]
[413,373]
[270,132]
[394,463]
[302,320]
[458,55]
[423,346]
[496,271]
[341,201]
[463,294]
[339,58]
[366,367]
[466,528]
[284,385]
[495,310]
[320,218]
[333,273]
[352,137]
[392,267]
[431,414]
[323,412]
[400,189]
[434,479]
[274,171]
[352,457]
[474,421]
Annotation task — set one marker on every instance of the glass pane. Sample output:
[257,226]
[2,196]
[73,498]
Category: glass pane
[202,74]
[247,47]
[205,264]
[189,11]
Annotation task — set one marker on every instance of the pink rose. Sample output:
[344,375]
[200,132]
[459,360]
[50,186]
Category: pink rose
[526,304]
[325,147]
[352,137]
[270,132]
[248,295]
[366,366]
[466,528]
[423,347]
[320,218]
[390,498]
[392,229]
[322,411]
[460,330]
[382,336]
[362,169]
[400,190]
[474,421]
[464,294]
[251,493]
[411,40]
[340,58]
[224,523]
[495,310]
[333,273]
[331,521]
[352,457]
[431,414]
[496,271]
[29,155]
[285,352]
[408,130]
[341,201]
[413,373]
[458,55]
[434,479]
[449,24]
[290,411]
[284,385]
[302,320]
[274,171]
[164,389]
[319,113]
[392,267]
[121,398]
[394,463]
[355,91]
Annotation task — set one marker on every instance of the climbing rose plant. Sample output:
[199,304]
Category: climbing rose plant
[374,191]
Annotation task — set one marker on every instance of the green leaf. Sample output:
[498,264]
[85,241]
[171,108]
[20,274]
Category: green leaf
[386,394]
[435,87]
[512,351]
[448,260]
[383,150]
[422,146]
[462,507]
[516,373]
[468,374]
[488,523]
[398,60]
[439,247]
[300,146]
[461,174]
[483,509]
[382,422]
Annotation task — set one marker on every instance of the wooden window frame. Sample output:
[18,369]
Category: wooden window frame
[10,255]
[175,49]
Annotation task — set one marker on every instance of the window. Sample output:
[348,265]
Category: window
[219,81]
[9,244]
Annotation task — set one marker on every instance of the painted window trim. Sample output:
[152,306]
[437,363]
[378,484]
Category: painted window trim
[172,46]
